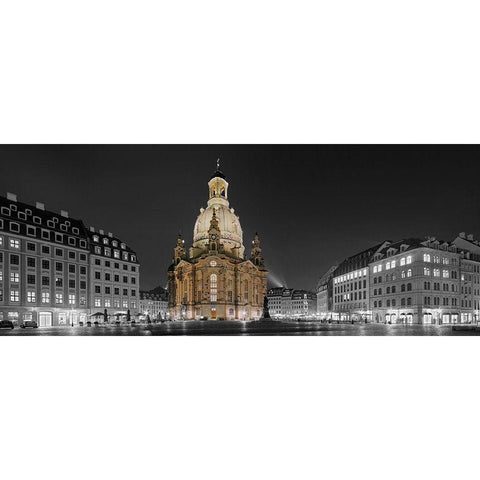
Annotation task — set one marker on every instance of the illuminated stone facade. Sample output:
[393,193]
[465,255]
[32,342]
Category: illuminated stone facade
[215,281]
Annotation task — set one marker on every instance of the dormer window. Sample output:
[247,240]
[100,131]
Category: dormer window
[28,212]
[75,231]
[13,208]
[96,238]
[123,246]
[114,243]
[105,241]
[37,220]
[63,228]
[22,216]
[50,223]
[6,211]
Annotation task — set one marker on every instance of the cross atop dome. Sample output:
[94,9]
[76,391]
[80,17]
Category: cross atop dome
[218,173]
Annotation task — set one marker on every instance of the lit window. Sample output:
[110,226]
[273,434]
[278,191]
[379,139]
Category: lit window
[409,260]
[213,287]
[426,271]
[98,302]
[394,263]
[446,274]
[116,254]
[402,262]
[125,303]
[426,257]
[31,297]
[409,273]
[375,269]
[14,243]
[45,297]
[436,272]
[1,241]
[71,299]
[59,298]
[14,296]
[14,277]
[387,267]
[379,268]
[95,238]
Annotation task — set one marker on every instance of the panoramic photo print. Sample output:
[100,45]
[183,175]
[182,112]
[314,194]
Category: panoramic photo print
[239,240]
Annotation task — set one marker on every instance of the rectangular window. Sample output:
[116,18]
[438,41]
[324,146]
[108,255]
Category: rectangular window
[45,264]
[14,260]
[98,302]
[45,297]
[98,289]
[71,299]
[59,252]
[31,297]
[71,283]
[108,303]
[71,268]
[14,296]
[31,262]
[14,277]
[45,249]
[46,281]
[71,255]
[31,279]
[31,247]
[59,298]
[14,243]
[59,282]
[83,270]
[58,266]
[83,285]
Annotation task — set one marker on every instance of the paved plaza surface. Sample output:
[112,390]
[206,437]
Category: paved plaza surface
[247,329]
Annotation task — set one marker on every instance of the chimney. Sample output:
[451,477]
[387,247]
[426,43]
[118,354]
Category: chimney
[470,237]
[40,206]
[64,213]
[462,235]
[11,196]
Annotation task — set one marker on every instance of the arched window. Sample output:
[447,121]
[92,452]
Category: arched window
[213,287]
[409,287]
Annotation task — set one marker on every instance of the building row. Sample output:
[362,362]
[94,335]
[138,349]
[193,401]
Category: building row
[293,304]
[56,271]
[411,281]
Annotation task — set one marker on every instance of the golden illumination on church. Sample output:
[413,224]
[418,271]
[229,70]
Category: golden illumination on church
[214,280]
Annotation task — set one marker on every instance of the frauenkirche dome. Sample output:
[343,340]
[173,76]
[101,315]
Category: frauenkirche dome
[231,234]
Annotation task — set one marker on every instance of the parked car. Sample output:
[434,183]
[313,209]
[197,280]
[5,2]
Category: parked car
[6,324]
[29,324]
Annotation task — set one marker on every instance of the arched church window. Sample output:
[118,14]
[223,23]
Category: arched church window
[213,287]
[223,192]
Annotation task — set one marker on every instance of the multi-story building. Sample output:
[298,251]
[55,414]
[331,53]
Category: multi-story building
[43,265]
[115,276]
[351,287]
[154,303]
[411,281]
[289,303]
[325,294]
[416,282]
[48,262]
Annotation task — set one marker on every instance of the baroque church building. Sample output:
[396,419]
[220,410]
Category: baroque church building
[214,280]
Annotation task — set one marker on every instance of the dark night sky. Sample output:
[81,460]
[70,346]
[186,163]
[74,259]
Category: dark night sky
[312,205]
